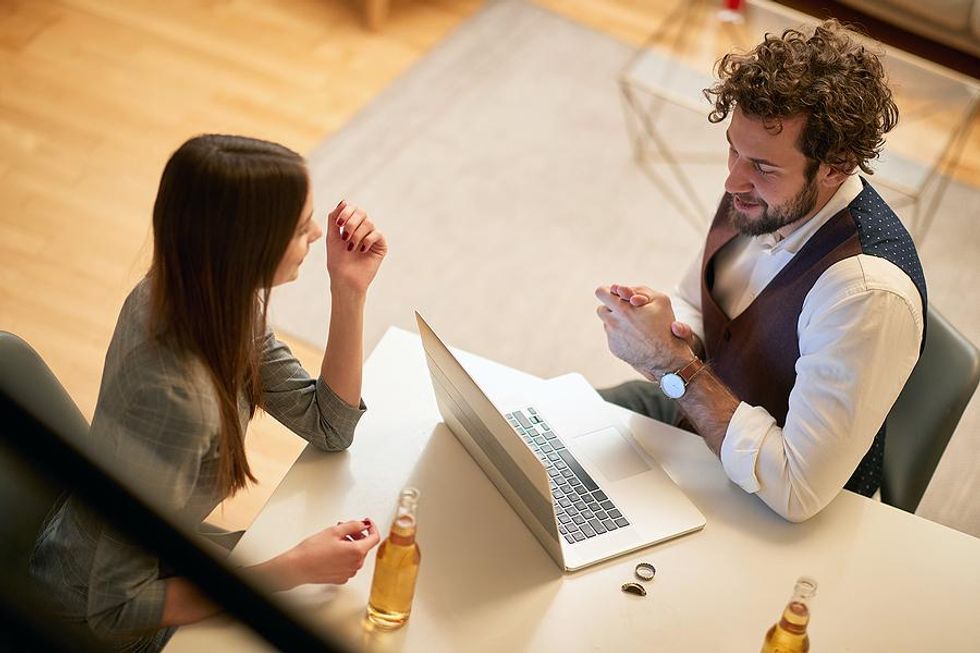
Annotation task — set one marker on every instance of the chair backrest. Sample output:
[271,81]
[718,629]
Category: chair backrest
[25,497]
[27,622]
[927,412]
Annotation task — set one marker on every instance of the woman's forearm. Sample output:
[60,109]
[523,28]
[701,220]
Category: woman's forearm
[185,604]
[343,355]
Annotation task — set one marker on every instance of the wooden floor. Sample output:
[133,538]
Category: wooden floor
[95,95]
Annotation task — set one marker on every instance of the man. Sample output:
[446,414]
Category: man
[807,302]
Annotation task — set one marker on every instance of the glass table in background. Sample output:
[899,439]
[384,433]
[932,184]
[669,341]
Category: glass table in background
[685,156]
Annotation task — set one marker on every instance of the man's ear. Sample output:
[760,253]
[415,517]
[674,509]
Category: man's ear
[831,176]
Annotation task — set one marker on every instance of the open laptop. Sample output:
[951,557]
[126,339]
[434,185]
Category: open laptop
[564,462]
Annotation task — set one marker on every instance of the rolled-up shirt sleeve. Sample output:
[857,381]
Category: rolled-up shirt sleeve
[686,298]
[304,405]
[859,340]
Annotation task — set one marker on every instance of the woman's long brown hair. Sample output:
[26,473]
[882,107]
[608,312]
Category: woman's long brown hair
[225,212]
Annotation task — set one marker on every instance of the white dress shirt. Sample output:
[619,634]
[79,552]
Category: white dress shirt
[859,333]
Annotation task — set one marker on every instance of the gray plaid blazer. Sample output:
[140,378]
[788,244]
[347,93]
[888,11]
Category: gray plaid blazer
[157,422]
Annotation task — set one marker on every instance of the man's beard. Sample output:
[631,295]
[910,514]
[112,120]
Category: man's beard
[775,217]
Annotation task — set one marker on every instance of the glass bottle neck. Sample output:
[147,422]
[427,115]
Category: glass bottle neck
[403,527]
[402,530]
[795,617]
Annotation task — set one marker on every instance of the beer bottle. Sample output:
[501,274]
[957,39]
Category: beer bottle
[396,567]
[789,634]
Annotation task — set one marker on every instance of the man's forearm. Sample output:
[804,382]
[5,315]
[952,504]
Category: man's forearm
[709,405]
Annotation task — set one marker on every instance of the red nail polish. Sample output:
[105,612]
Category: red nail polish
[350,246]
[363,248]
[344,236]
[340,222]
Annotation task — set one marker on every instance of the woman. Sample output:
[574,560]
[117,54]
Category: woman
[191,360]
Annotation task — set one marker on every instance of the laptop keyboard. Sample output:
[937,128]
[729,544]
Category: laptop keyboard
[583,510]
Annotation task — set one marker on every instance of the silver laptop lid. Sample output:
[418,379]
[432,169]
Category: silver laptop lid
[491,442]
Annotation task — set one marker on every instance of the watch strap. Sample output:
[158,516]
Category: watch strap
[691,370]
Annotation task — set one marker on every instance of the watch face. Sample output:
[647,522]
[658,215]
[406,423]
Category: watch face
[672,385]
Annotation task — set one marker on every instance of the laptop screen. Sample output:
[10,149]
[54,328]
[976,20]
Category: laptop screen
[489,439]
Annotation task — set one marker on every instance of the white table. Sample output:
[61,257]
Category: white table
[888,581]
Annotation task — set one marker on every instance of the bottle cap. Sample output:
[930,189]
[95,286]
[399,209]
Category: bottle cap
[645,571]
[634,588]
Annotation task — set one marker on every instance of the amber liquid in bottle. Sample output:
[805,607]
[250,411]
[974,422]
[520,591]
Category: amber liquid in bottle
[789,634]
[396,568]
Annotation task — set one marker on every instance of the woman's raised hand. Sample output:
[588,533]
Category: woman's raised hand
[355,248]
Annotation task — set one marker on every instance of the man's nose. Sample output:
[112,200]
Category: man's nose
[738,180]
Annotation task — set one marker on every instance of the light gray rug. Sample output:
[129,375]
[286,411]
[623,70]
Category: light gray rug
[500,169]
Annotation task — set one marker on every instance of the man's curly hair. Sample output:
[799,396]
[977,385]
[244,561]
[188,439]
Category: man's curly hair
[822,73]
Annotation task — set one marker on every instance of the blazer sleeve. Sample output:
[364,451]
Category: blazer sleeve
[306,406]
[156,430]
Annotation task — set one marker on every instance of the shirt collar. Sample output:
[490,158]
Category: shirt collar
[791,237]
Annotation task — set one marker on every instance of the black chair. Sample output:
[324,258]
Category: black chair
[927,412]
[25,497]
[40,430]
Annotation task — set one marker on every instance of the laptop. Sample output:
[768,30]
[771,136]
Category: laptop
[564,461]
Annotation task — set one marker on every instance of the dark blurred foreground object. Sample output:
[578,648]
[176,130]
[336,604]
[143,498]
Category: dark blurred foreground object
[26,499]
[40,460]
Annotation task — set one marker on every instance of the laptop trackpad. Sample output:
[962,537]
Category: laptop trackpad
[610,453]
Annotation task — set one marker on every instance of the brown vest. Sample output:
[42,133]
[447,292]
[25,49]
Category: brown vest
[755,354]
